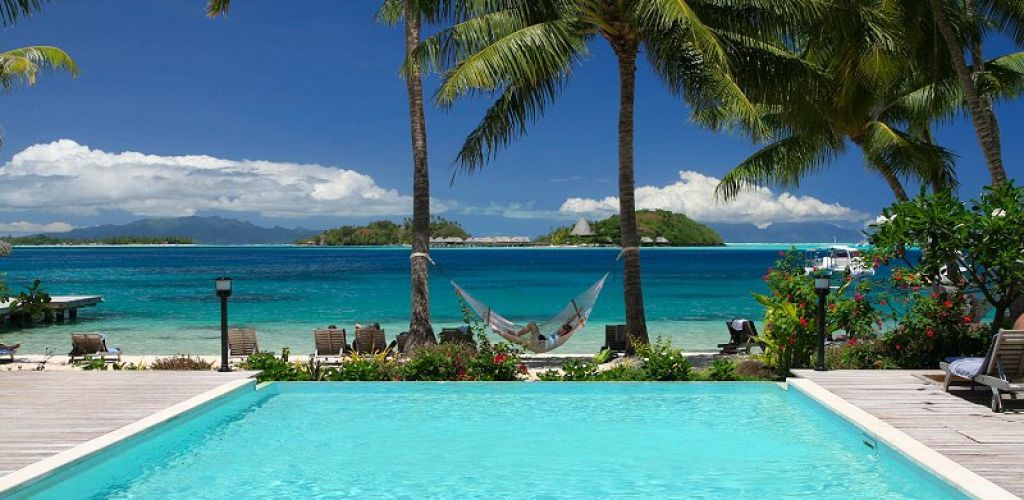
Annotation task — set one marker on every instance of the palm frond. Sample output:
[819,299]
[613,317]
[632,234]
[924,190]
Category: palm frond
[782,163]
[904,154]
[12,10]
[20,66]
[216,8]
[525,57]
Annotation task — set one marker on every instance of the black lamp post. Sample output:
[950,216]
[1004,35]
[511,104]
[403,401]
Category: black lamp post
[223,287]
[821,288]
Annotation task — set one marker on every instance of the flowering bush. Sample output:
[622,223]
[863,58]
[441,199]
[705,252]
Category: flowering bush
[935,326]
[790,334]
[974,247]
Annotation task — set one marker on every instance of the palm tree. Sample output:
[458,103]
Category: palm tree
[524,51]
[868,83]
[412,12]
[963,24]
[22,66]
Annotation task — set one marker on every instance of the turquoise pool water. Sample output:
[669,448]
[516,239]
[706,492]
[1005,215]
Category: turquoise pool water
[480,440]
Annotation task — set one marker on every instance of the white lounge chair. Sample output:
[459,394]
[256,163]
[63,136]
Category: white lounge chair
[9,350]
[1002,369]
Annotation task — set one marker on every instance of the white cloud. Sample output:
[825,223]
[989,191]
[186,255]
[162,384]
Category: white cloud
[23,227]
[67,177]
[693,195]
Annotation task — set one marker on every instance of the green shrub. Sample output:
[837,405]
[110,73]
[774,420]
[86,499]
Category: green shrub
[375,368]
[275,368]
[790,334]
[439,362]
[181,363]
[662,362]
[722,369]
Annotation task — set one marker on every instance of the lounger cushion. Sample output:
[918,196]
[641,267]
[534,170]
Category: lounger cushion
[966,367]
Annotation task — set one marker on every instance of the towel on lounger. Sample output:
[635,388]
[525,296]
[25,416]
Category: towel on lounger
[967,367]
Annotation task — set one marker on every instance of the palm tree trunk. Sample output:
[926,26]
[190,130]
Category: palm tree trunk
[980,109]
[890,177]
[420,330]
[636,324]
[895,184]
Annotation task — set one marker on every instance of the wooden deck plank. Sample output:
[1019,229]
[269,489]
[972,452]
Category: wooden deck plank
[958,425]
[45,413]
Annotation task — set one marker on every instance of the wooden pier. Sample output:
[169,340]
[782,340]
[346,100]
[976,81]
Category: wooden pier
[59,306]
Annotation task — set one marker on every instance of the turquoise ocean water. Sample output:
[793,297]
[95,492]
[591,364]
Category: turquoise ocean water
[500,440]
[160,300]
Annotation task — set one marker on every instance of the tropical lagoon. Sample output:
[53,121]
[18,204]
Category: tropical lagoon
[160,300]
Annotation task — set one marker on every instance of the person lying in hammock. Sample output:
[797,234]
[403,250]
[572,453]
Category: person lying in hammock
[534,332]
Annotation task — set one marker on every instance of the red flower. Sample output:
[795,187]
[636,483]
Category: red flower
[930,332]
[781,253]
[803,305]
[916,288]
[522,368]
[967,319]
[947,304]
[831,307]
[499,358]
[851,342]
[883,302]
[858,296]
[935,295]
[898,347]
[803,322]
[792,341]
[765,277]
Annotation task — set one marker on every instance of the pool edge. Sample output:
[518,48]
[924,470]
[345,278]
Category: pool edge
[958,476]
[39,470]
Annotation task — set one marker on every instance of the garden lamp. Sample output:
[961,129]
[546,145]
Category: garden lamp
[223,288]
[821,289]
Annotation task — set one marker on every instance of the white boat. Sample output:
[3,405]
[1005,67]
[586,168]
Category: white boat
[838,260]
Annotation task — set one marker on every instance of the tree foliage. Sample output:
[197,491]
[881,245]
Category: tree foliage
[678,229]
[385,232]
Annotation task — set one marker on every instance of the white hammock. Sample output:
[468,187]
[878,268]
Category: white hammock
[545,336]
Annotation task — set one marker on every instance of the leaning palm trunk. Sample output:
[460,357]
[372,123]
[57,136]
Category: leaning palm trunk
[979,108]
[420,330]
[636,324]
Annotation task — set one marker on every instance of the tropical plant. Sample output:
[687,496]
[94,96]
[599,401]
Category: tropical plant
[524,51]
[22,66]
[29,304]
[790,334]
[865,75]
[979,241]
[963,26]
[181,363]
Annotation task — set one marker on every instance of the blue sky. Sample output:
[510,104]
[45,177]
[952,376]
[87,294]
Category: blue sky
[312,96]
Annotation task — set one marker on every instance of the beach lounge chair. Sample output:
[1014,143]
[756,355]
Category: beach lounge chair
[9,350]
[615,338]
[331,345]
[460,335]
[369,340]
[1002,368]
[242,343]
[92,346]
[742,335]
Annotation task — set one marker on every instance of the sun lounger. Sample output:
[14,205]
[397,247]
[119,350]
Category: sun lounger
[1002,368]
[742,335]
[92,346]
[615,338]
[9,350]
[331,345]
[369,340]
[460,335]
[242,343]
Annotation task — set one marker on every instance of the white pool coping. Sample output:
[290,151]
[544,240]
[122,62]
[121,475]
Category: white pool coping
[958,476]
[38,470]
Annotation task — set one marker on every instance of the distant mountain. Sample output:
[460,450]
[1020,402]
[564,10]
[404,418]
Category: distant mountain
[204,230]
[788,232]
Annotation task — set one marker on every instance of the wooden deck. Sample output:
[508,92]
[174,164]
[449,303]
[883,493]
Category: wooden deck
[45,413]
[957,425]
[59,304]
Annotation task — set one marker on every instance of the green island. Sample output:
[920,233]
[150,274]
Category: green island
[42,239]
[383,232]
[676,230]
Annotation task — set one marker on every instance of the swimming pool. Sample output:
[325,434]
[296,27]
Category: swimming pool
[483,440]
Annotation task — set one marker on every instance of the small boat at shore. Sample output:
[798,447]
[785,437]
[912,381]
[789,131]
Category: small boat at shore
[838,260]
